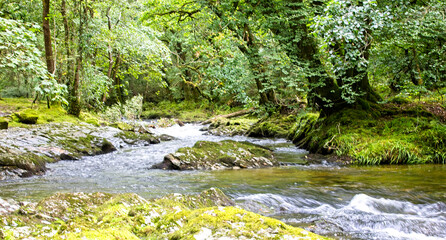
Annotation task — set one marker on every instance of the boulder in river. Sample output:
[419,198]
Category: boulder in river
[228,154]
[209,215]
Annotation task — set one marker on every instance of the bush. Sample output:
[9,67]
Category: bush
[131,110]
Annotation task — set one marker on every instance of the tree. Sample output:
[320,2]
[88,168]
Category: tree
[20,62]
[50,63]
[239,18]
[411,53]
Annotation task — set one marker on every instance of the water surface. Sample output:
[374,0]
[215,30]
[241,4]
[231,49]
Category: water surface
[387,202]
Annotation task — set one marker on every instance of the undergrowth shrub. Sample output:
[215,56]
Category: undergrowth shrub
[131,110]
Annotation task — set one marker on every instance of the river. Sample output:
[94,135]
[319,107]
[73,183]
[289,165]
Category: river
[385,202]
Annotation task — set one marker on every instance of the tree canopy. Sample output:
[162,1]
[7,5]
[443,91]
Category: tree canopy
[271,54]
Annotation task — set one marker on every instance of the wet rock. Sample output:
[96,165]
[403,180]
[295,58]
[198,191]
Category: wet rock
[107,147]
[227,127]
[180,123]
[166,138]
[226,154]
[208,198]
[209,215]
[30,163]
[123,126]
[143,130]
[8,206]
[9,173]
[70,205]
[135,138]
[29,149]
[274,126]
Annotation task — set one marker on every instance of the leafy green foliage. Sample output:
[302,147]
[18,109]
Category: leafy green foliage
[20,61]
[130,110]
[410,56]
[346,33]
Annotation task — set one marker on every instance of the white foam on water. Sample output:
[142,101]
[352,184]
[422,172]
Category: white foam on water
[366,216]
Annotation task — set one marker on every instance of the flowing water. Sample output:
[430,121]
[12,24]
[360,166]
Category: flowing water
[387,202]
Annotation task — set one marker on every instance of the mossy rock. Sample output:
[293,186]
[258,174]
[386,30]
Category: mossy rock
[128,216]
[228,154]
[134,138]
[231,127]
[27,118]
[274,126]
[32,163]
[84,145]
[123,126]
[3,124]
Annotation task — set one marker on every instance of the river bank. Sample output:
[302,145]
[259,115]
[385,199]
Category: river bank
[410,133]
[209,215]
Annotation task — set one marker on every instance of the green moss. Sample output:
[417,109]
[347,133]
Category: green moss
[228,222]
[207,155]
[273,126]
[135,137]
[33,163]
[123,126]
[92,118]
[128,216]
[44,115]
[27,117]
[103,234]
[231,127]
[387,134]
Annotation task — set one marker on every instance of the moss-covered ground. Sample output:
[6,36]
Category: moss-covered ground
[12,109]
[208,215]
[409,133]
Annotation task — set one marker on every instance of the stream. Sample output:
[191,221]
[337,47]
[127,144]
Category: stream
[380,202]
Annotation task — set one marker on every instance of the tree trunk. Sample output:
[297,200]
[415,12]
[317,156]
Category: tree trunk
[67,41]
[75,103]
[117,81]
[47,37]
[251,50]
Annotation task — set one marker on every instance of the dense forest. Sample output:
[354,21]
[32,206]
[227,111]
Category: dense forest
[332,54]
[379,58]
[222,119]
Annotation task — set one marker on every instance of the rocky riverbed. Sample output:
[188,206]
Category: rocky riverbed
[209,215]
[25,151]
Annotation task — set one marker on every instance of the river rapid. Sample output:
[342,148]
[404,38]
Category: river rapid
[385,202]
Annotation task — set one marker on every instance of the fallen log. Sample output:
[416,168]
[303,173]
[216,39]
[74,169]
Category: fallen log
[230,115]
